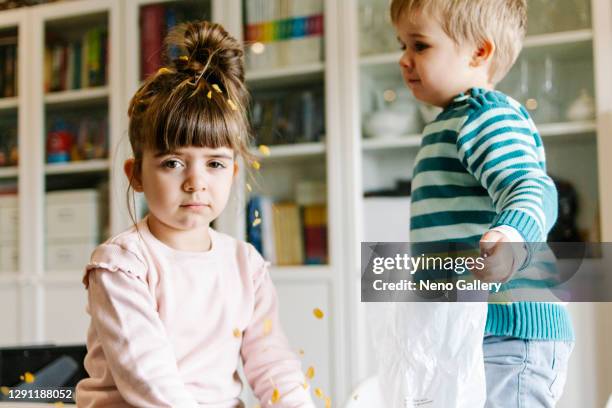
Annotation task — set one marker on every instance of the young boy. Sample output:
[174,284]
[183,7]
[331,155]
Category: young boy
[480,176]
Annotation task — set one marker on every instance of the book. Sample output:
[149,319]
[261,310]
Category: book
[288,234]
[315,234]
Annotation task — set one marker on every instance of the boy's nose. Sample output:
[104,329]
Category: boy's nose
[405,61]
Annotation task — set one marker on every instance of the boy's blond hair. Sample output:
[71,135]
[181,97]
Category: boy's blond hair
[501,21]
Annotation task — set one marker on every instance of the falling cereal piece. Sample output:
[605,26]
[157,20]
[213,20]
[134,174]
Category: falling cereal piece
[4,390]
[327,402]
[275,396]
[28,377]
[216,88]
[209,95]
[265,150]
[232,105]
[305,385]
[318,313]
[301,352]
[237,333]
[248,186]
[267,326]
[184,58]
[310,372]
[163,70]
[256,165]
[319,392]
[256,222]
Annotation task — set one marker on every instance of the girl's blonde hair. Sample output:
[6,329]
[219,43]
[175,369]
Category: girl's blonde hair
[198,99]
[503,22]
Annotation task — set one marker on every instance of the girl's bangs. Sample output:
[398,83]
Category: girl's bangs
[196,121]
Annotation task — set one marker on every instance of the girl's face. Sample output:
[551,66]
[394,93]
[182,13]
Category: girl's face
[188,188]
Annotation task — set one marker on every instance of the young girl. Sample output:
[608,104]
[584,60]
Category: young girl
[173,303]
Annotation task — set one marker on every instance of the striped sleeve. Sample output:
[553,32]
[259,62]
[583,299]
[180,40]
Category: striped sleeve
[498,147]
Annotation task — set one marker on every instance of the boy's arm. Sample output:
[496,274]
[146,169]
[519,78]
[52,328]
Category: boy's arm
[269,362]
[497,147]
[134,341]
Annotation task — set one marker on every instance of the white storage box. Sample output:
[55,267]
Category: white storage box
[9,258]
[68,256]
[72,214]
[9,219]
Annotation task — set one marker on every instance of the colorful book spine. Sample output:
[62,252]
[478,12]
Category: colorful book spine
[315,234]
[291,32]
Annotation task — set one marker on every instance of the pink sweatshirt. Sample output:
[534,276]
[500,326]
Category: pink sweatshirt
[163,327]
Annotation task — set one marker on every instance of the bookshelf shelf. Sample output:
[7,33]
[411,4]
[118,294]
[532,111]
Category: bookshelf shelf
[291,151]
[9,103]
[77,96]
[85,166]
[286,75]
[554,40]
[391,142]
[9,278]
[566,128]
[561,38]
[548,130]
[8,172]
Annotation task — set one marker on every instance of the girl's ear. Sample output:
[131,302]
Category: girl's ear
[483,53]
[133,174]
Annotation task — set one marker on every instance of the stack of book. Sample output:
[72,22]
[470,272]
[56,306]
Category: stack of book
[288,32]
[287,234]
[290,116]
[8,67]
[290,233]
[77,64]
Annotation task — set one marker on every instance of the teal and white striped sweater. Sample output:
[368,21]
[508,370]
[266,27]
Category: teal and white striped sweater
[481,164]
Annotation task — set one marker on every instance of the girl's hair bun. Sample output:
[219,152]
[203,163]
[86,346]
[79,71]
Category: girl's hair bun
[208,49]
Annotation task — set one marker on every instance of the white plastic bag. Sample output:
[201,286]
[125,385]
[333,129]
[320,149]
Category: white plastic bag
[430,354]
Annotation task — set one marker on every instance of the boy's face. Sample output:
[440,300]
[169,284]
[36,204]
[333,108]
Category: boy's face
[434,67]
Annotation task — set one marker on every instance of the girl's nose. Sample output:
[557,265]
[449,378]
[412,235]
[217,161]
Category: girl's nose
[196,181]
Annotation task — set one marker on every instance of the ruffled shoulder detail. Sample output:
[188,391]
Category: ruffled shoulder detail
[114,257]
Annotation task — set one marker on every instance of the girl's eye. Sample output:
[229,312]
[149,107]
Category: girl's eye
[172,164]
[419,46]
[216,165]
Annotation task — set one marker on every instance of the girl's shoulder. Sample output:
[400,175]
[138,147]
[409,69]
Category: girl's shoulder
[121,253]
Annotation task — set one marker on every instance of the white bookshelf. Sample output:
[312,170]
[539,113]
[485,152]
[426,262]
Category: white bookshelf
[84,166]
[291,151]
[277,77]
[8,103]
[78,96]
[8,172]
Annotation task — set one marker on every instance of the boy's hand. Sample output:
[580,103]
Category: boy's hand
[499,260]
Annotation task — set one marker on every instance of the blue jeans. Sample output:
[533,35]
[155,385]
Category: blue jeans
[524,373]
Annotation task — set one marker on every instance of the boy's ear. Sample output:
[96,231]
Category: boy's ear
[133,174]
[483,53]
